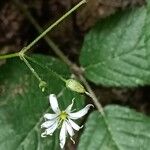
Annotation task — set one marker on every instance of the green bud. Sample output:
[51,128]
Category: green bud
[75,86]
[42,85]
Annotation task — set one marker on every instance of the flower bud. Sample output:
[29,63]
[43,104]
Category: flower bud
[42,85]
[75,86]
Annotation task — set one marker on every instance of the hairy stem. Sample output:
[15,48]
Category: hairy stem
[91,94]
[9,56]
[42,66]
[31,69]
[51,26]
[40,30]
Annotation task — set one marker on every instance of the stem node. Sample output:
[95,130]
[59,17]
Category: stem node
[21,55]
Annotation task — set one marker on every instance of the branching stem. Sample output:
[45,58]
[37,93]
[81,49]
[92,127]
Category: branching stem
[62,56]
[31,68]
[9,56]
[54,47]
[52,72]
[51,26]
[22,52]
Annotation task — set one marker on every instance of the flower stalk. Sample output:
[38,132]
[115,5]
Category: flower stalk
[42,84]
[44,67]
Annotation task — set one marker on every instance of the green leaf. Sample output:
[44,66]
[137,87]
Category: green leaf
[114,51]
[147,31]
[121,129]
[22,104]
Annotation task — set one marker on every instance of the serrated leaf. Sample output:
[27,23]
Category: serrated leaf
[114,51]
[147,32]
[22,104]
[121,129]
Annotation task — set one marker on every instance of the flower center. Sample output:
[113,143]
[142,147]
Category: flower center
[63,115]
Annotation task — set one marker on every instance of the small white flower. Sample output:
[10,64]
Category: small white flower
[62,118]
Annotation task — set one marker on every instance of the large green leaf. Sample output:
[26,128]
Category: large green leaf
[22,104]
[114,51]
[121,129]
[147,31]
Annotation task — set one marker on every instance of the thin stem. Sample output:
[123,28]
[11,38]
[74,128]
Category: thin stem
[40,30]
[53,72]
[9,56]
[32,70]
[49,41]
[91,94]
[52,26]
[61,55]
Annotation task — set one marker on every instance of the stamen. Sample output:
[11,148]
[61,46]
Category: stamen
[60,121]
[72,140]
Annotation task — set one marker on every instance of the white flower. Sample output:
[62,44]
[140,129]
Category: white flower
[62,118]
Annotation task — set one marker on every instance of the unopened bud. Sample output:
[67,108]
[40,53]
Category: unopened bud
[75,86]
[42,85]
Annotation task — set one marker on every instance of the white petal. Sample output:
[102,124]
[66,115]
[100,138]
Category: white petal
[54,103]
[74,125]
[44,134]
[63,135]
[48,124]
[50,130]
[80,113]
[69,129]
[68,109]
[50,116]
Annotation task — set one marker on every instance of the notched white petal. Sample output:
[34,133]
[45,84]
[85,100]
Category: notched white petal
[80,113]
[63,135]
[74,125]
[48,124]
[69,128]
[49,116]
[68,109]
[50,131]
[54,103]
